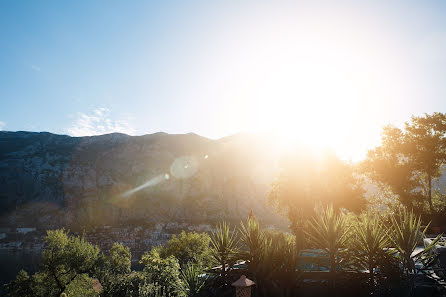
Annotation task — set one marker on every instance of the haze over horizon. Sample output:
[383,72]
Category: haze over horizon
[320,73]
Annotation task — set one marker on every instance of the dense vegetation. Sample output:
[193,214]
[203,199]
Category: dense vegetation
[378,251]
[337,237]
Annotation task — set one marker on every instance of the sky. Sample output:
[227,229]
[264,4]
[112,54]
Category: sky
[327,73]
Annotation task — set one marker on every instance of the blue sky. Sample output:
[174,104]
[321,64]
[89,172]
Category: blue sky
[220,67]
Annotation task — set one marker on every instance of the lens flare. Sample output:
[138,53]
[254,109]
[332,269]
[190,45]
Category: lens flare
[152,182]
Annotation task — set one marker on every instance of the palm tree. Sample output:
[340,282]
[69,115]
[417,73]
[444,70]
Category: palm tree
[369,243]
[224,246]
[329,231]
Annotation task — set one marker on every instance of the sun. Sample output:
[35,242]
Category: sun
[322,109]
[319,82]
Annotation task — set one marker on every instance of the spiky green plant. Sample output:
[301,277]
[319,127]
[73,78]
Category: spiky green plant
[406,234]
[192,280]
[276,261]
[255,243]
[369,243]
[224,246]
[329,231]
[285,264]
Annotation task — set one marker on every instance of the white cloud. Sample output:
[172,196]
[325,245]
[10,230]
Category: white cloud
[98,122]
[2,125]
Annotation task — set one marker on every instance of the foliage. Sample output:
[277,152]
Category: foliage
[21,286]
[191,247]
[408,160]
[224,246]
[192,280]
[405,236]
[283,264]
[43,284]
[66,257]
[306,181]
[255,244]
[120,258]
[383,203]
[135,284]
[112,267]
[165,272]
[66,263]
[329,231]
[427,148]
[81,286]
[368,243]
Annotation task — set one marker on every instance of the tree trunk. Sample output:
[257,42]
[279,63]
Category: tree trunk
[429,190]
[371,276]
[332,270]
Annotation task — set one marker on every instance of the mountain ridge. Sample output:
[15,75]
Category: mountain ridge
[61,180]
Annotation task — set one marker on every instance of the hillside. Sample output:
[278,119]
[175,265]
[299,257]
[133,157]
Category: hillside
[51,180]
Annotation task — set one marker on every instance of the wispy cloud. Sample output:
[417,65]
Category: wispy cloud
[98,122]
[2,125]
[35,68]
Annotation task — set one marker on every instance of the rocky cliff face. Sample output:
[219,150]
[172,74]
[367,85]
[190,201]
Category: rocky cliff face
[57,180]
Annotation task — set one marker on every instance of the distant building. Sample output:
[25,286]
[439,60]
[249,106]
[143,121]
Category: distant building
[25,230]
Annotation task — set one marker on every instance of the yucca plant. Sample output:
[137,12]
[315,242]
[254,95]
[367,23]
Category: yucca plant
[284,264]
[192,280]
[224,246]
[255,243]
[406,234]
[369,243]
[329,231]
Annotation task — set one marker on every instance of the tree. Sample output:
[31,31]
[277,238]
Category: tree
[112,269]
[224,246]
[67,257]
[66,264]
[188,247]
[21,286]
[120,259]
[307,180]
[425,137]
[164,272]
[409,160]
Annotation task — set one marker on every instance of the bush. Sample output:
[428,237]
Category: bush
[165,272]
[191,247]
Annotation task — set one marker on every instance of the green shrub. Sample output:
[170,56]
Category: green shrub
[191,247]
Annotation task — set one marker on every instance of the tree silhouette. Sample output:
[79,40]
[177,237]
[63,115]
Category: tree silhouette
[409,160]
[306,181]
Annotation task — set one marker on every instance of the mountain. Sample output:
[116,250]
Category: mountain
[49,180]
